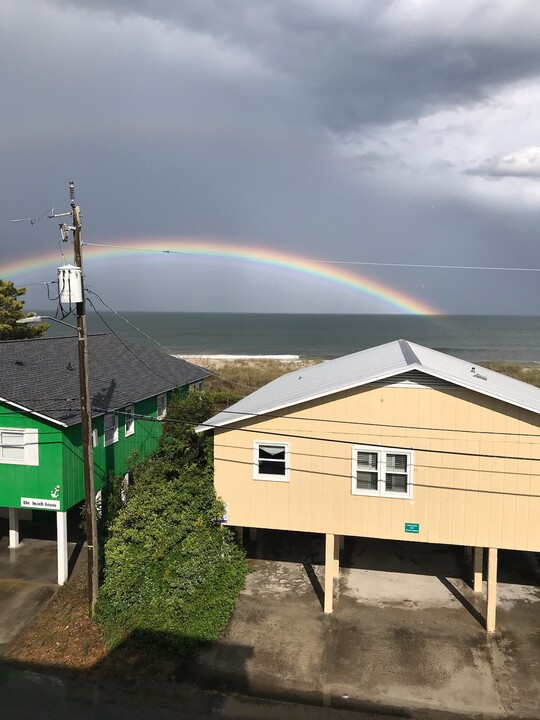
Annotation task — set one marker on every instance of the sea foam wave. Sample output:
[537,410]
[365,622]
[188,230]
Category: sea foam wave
[281,358]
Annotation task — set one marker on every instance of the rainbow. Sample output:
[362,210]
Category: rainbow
[394,299]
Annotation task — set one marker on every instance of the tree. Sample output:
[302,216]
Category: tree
[11,310]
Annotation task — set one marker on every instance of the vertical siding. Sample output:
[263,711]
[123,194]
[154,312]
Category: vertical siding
[115,457]
[60,455]
[32,481]
[476,477]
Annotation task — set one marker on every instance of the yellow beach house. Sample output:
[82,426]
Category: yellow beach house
[395,442]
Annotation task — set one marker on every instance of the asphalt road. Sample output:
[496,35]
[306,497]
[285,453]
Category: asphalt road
[26,695]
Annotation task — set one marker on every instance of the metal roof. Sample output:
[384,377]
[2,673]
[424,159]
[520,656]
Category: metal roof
[372,365]
[41,376]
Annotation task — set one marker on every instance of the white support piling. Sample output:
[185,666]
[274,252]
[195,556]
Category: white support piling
[62,547]
[478,563]
[337,546]
[491,604]
[14,536]
[329,567]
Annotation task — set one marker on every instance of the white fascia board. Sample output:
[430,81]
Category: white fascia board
[204,427]
[32,412]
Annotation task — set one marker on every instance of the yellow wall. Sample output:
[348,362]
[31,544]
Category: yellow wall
[456,499]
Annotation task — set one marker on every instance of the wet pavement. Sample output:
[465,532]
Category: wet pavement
[28,577]
[406,635]
[28,695]
[405,640]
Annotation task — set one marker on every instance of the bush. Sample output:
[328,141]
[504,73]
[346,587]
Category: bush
[172,572]
[180,443]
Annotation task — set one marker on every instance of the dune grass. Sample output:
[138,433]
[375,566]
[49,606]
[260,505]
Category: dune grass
[241,377]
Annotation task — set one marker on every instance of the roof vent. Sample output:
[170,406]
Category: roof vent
[19,362]
[480,377]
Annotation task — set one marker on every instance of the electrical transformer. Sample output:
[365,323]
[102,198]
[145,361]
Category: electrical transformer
[70,284]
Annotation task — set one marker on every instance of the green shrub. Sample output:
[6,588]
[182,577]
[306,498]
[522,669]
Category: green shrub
[172,572]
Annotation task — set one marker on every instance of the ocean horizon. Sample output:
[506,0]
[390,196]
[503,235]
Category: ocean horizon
[502,338]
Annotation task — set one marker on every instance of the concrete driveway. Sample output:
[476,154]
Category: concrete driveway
[28,577]
[405,634]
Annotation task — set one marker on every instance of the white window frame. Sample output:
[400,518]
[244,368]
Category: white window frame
[106,430]
[382,452]
[161,402]
[29,444]
[265,476]
[129,420]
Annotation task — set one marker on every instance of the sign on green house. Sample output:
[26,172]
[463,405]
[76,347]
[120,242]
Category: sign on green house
[412,527]
[40,504]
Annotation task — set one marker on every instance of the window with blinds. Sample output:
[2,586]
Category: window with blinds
[110,429]
[367,474]
[19,446]
[12,445]
[381,471]
[129,420]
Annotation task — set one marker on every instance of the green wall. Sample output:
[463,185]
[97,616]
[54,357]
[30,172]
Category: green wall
[60,455]
[32,481]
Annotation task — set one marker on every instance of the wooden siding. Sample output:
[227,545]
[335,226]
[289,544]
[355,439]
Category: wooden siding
[31,481]
[115,457]
[476,477]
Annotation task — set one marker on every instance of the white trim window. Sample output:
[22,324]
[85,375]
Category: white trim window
[110,429]
[271,461]
[161,406]
[382,471]
[129,420]
[19,446]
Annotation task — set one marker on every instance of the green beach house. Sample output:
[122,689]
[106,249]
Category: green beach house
[41,465]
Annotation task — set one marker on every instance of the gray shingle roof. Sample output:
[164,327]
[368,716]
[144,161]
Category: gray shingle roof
[372,365]
[43,375]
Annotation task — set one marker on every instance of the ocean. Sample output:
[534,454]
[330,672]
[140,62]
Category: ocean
[472,337]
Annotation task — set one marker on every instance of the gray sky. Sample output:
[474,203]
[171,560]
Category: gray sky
[358,130]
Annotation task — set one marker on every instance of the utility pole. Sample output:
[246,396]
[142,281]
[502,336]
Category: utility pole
[86,416]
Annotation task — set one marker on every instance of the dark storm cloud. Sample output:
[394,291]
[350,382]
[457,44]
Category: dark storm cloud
[284,125]
[369,62]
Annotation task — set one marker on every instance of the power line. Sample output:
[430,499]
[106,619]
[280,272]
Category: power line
[274,433]
[426,266]
[167,380]
[359,423]
[414,484]
[146,418]
[349,476]
[249,415]
[233,382]
[31,220]
[93,292]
